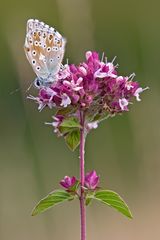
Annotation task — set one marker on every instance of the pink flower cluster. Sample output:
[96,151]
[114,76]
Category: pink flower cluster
[94,85]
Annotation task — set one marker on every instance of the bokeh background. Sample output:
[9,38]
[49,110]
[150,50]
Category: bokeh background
[124,150]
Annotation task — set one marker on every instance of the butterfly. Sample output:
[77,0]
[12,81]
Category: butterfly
[44,48]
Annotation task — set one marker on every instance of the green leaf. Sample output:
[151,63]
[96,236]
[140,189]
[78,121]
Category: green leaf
[65,130]
[112,199]
[70,123]
[65,111]
[75,187]
[88,201]
[101,118]
[54,198]
[73,139]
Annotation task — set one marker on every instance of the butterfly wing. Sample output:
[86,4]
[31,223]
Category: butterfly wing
[44,48]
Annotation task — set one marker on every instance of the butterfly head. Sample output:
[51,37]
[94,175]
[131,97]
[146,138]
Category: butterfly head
[42,82]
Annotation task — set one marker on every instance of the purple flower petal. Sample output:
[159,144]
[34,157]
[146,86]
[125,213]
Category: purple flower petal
[68,182]
[91,180]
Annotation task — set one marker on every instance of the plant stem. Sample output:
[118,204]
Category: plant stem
[82,177]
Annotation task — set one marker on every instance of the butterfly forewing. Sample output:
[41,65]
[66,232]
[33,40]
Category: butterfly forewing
[44,48]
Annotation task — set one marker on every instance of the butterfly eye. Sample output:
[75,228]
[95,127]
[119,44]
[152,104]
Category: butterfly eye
[33,61]
[37,82]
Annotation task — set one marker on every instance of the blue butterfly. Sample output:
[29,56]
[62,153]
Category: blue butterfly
[44,48]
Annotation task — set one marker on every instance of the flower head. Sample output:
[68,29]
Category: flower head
[91,83]
[93,86]
[91,180]
[68,182]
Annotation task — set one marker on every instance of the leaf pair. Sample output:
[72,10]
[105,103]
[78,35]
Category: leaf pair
[107,197]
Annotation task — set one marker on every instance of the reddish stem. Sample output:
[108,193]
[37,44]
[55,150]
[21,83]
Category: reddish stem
[82,177]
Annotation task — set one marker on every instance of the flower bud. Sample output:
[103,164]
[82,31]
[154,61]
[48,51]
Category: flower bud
[68,182]
[91,180]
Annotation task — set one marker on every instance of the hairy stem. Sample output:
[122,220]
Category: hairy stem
[82,177]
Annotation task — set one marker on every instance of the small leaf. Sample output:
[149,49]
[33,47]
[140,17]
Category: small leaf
[112,199]
[75,187]
[73,139]
[64,130]
[88,201]
[66,111]
[70,123]
[101,118]
[51,200]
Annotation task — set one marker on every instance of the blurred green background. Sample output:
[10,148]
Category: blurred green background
[124,150]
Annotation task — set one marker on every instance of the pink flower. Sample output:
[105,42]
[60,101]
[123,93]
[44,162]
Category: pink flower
[91,180]
[65,100]
[68,182]
[92,125]
[138,91]
[123,103]
[56,123]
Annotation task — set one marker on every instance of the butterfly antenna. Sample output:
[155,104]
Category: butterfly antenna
[14,91]
[29,87]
